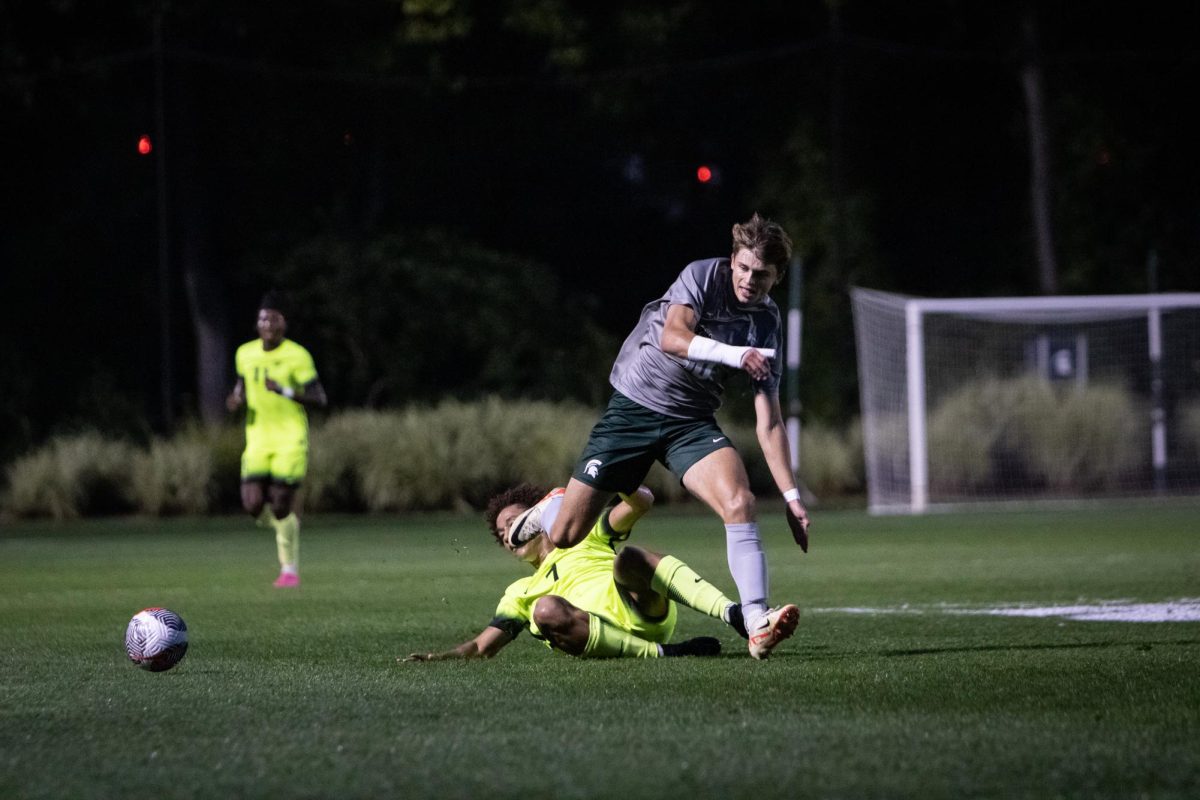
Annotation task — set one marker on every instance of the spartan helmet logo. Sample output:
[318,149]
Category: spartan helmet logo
[592,468]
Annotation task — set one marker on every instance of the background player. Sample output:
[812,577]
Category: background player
[668,379]
[276,381]
[592,600]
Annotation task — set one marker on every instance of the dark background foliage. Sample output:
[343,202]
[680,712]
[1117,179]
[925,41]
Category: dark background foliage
[478,197]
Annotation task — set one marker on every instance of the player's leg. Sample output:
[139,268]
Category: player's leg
[287,533]
[281,496]
[581,505]
[288,468]
[253,497]
[579,633]
[720,480]
[256,475]
[650,579]
[617,456]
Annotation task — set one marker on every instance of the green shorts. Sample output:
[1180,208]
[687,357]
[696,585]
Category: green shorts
[629,438]
[276,465]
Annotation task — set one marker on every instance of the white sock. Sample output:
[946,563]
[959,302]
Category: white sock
[550,513]
[748,566]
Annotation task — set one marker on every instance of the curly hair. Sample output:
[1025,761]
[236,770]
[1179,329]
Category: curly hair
[524,494]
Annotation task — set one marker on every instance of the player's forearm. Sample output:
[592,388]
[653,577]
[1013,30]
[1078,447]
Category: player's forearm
[465,651]
[772,438]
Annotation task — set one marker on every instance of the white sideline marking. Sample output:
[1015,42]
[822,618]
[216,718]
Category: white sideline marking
[1186,609]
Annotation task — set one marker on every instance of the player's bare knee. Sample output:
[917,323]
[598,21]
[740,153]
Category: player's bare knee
[634,566]
[739,506]
[551,613]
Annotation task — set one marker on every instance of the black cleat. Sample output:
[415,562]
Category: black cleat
[700,646]
[737,621]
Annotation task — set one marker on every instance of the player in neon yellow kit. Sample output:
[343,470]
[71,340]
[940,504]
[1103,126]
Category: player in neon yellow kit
[594,600]
[276,381]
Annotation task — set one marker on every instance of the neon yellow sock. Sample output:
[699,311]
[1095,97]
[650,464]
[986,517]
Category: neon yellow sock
[609,641]
[287,540]
[265,518]
[680,582]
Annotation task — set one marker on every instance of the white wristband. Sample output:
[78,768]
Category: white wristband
[288,392]
[791,494]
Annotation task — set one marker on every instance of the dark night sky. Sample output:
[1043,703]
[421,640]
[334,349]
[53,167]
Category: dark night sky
[285,122]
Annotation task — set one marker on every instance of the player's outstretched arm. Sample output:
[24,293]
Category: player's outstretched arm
[772,437]
[485,645]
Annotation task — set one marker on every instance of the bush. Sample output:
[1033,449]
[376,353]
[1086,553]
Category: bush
[174,476]
[1026,431]
[831,462]
[1093,439]
[453,455]
[72,476]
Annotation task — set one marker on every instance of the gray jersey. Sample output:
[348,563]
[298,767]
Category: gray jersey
[680,387]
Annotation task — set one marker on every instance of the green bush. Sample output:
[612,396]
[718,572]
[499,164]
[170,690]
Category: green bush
[72,476]
[831,462]
[995,432]
[1094,437]
[453,455]
[174,476]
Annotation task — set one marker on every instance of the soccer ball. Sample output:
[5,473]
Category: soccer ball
[156,639]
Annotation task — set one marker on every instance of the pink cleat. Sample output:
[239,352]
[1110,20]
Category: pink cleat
[287,580]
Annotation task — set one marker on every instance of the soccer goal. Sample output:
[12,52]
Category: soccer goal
[1027,398]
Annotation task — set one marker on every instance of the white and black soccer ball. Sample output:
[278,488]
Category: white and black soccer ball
[156,639]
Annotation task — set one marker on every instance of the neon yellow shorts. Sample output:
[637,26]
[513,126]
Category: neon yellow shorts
[616,609]
[280,465]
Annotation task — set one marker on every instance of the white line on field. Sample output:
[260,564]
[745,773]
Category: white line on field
[1186,609]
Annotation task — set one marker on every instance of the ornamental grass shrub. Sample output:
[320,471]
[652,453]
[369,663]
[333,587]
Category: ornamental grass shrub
[1002,432]
[72,476]
[450,456]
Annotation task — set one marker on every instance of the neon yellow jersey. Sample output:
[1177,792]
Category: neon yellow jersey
[583,576]
[272,419]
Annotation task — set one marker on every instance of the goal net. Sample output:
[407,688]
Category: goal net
[1027,398]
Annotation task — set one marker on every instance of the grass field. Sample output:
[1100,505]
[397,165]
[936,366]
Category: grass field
[898,684]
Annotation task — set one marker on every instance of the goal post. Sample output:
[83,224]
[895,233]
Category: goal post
[1026,399]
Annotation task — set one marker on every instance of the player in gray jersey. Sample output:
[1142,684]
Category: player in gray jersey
[715,319]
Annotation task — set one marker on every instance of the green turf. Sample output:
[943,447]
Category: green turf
[298,694]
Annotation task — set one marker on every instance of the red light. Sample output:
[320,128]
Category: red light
[704,174]
[144,145]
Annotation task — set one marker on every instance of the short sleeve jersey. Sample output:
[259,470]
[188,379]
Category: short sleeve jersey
[272,419]
[581,575]
[680,387]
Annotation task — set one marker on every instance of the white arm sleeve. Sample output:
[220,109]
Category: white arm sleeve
[705,349]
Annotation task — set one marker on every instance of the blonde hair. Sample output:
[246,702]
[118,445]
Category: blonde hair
[766,239]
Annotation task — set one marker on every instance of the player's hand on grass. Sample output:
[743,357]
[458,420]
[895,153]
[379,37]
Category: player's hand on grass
[418,657]
[797,517]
